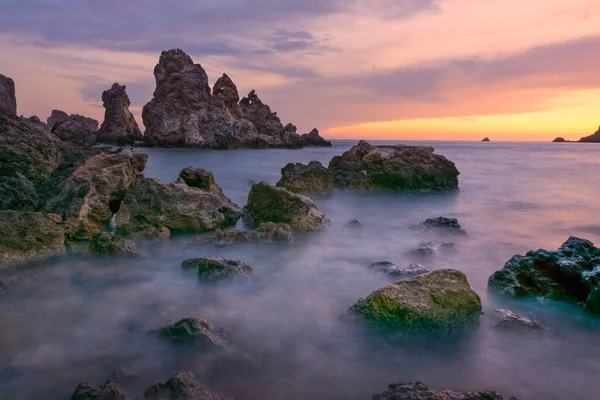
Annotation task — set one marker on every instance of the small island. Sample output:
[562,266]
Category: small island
[486,139]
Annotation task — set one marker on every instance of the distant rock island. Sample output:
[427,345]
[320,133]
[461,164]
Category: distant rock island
[486,139]
[595,138]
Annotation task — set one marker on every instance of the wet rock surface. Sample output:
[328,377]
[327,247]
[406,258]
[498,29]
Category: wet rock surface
[437,303]
[314,139]
[401,168]
[216,269]
[571,273]
[109,244]
[397,272]
[119,126]
[267,232]
[441,225]
[182,386]
[8,100]
[108,391]
[74,128]
[311,178]
[508,319]
[17,193]
[419,391]
[278,205]
[196,333]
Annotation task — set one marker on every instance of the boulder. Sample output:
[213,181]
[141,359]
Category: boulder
[8,100]
[215,269]
[442,225]
[571,273]
[196,333]
[267,232]
[108,391]
[119,126]
[419,391]
[559,140]
[108,243]
[508,319]
[153,205]
[27,148]
[267,203]
[314,139]
[437,303]
[311,178]
[485,139]
[74,128]
[353,223]
[595,138]
[198,178]
[393,270]
[400,168]
[425,249]
[17,193]
[91,194]
[29,235]
[182,386]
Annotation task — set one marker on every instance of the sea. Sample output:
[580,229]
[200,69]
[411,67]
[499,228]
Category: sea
[75,318]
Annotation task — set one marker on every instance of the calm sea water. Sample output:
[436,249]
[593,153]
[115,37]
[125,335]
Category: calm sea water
[77,318]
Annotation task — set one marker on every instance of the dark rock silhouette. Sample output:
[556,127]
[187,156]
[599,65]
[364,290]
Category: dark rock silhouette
[441,225]
[73,128]
[419,391]
[182,386]
[314,139]
[486,139]
[108,391]
[214,269]
[8,100]
[595,138]
[119,126]
[559,140]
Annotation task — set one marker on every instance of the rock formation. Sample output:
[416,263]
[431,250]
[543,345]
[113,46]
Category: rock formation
[419,391]
[274,204]
[485,139]
[437,303]
[8,100]
[393,270]
[119,126]
[184,112]
[267,232]
[508,319]
[402,168]
[311,178]
[570,273]
[73,128]
[214,269]
[559,140]
[17,193]
[595,138]
[441,225]
[196,333]
[108,391]
[314,139]
[182,386]
[153,205]
[109,244]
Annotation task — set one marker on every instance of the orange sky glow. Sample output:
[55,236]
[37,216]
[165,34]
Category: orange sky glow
[452,70]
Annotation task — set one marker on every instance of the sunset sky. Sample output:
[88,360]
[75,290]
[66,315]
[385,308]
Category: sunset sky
[401,69]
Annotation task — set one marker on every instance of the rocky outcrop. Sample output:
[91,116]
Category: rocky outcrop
[267,232]
[91,194]
[274,204]
[199,178]
[559,140]
[119,126]
[419,391]
[437,303]
[595,138]
[29,235]
[571,273]
[17,193]
[485,139]
[73,128]
[215,269]
[393,270]
[184,112]
[442,225]
[314,139]
[153,205]
[196,333]
[182,386]
[8,100]
[401,168]
[508,319]
[311,178]
[108,391]
[109,244]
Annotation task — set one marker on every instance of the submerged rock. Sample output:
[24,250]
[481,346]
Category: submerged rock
[314,139]
[274,204]
[353,223]
[267,232]
[91,194]
[8,100]
[196,333]
[511,320]
[595,138]
[108,243]
[17,193]
[441,225]
[108,391]
[572,274]
[311,178]
[440,302]
[214,269]
[182,386]
[73,128]
[29,235]
[393,270]
[425,249]
[402,168]
[419,391]
[153,205]
[119,126]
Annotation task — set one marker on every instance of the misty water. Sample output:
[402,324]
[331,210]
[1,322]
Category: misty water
[76,318]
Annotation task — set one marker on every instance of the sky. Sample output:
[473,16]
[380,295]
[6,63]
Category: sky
[378,69]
